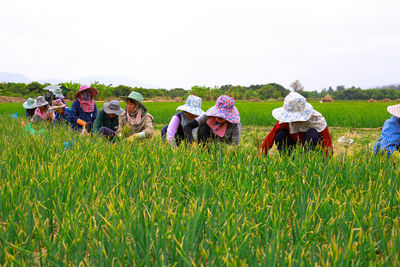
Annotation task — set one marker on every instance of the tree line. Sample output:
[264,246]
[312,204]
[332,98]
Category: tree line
[238,92]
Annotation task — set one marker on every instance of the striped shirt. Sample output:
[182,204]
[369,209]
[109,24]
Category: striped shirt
[389,141]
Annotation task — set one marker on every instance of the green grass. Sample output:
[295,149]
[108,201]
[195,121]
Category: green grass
[358,114]
[145,203]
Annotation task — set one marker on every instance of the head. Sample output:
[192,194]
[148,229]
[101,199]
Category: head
[130,105]
[112,115]
[86,95]
[43,108]
[220,120]
[190,116]
[60,111]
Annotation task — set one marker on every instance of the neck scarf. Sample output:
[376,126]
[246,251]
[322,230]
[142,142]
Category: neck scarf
[40,114]
[136,119]
[86,105]
[316,121]
[218,128]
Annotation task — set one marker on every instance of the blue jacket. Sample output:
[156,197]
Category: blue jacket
[64,118]
[76,113]
[389,141]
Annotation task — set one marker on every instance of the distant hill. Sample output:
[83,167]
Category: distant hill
[7,77]
[115,80]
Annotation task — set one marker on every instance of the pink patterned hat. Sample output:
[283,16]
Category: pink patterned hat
[92,91]
[225,108]
[394,110]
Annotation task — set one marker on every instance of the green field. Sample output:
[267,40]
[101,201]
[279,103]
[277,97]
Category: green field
[358,114]
[145,203]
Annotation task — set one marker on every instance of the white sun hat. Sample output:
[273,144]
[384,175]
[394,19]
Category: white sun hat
[295,108]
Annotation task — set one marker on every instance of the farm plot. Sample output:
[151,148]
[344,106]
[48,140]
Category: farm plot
[99,203]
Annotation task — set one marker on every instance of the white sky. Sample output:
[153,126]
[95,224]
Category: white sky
[172,43]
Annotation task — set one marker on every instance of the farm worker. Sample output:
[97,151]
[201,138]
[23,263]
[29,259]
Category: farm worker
[58,94]
[30,107]
[188,112]
[389,141]
[135,123]
[219,123]
[61,110]
[83,112]
[42,113]
[106,122]
[298,123]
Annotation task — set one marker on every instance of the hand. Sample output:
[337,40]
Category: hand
[396,156]
[126,131]
[133,138]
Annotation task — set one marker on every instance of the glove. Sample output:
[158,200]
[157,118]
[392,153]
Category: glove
[81,122]
[187,130]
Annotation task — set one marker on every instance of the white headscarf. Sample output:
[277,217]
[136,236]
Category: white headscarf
[316,121]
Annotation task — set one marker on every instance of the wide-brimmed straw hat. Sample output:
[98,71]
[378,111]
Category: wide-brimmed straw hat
[113,107]
[57,104]
[192,105]
[295,108]
[225,108]
[92,91]
[41,101]
[137,97]
[30,103]
[394,110]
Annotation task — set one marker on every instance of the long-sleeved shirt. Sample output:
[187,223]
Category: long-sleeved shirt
[389,141]
[102,120]
[146,131]
[64,118]
[77,112]
[298,137]
[232,133]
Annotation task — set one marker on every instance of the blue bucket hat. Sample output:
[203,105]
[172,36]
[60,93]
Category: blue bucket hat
[192,105]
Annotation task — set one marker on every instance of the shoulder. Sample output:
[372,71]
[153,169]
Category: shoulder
[149,117]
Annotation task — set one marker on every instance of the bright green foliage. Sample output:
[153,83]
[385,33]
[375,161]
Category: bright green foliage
[102,203]
[359,114]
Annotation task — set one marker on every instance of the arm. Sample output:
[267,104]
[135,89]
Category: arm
[269,140]
[172,129]
[74,112]
[148,128]
[390,135]
[147,132]
[98,121]
[236,134]
[121,124]
[95,112]
[327,141]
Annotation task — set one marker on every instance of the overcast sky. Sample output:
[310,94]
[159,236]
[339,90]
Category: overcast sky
[172,43]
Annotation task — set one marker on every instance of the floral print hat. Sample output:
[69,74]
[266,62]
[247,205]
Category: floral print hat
[192,105]
[295,108]
[225,108]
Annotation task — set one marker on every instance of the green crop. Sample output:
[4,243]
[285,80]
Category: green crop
[358,114]
[145,203]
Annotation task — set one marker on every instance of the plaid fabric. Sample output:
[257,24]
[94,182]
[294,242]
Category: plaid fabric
[389,141]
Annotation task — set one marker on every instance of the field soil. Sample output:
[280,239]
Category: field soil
[11,99]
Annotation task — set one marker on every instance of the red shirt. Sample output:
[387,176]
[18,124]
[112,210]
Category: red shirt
[297,137]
